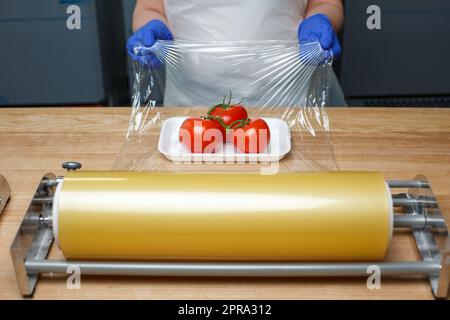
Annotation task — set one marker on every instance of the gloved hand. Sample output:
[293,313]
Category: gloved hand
[140,44]
[319,28]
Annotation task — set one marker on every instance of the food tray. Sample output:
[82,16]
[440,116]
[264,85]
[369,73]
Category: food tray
[170,146]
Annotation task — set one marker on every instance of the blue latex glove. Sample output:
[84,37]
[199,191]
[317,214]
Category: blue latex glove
[318,28]
[140,44]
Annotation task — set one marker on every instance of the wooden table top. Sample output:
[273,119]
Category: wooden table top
[400,143]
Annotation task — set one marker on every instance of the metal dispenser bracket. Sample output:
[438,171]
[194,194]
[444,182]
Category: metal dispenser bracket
[420,202]
[5,193]
[35,235]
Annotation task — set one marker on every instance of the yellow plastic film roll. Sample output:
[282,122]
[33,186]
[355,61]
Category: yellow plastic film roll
[341,216]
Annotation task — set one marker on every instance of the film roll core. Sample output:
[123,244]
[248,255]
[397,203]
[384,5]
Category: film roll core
[335,216]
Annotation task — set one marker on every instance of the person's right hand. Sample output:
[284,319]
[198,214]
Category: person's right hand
[140,44]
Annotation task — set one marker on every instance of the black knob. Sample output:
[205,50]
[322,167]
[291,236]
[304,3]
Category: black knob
[71,165]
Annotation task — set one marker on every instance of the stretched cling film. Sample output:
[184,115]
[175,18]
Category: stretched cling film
[273,79]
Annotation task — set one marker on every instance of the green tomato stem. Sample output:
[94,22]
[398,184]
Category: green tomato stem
[218,119]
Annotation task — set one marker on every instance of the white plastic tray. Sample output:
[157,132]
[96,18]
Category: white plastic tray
[170,146]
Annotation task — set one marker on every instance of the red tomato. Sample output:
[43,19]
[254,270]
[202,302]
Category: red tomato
[252,135]
[201,135]
[229,114]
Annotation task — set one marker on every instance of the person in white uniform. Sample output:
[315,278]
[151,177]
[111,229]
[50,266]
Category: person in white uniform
[221,21]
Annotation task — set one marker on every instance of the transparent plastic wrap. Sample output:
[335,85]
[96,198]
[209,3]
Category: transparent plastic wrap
[285,84]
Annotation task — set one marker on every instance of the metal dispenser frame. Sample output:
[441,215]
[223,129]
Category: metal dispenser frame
[421,214]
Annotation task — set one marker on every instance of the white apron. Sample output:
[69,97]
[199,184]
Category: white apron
[203,78]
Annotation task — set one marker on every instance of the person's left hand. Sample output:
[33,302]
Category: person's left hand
[318,28]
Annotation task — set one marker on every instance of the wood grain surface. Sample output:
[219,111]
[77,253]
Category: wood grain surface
[399,142]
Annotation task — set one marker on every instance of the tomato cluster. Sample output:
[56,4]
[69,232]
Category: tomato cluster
[225,121]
